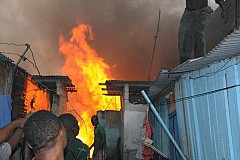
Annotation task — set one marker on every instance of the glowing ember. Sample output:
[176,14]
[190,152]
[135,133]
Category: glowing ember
[35,99]
[87,70]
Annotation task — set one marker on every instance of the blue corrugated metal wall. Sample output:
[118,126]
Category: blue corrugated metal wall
[208,111]
[5,110]
[160,139]
[173,128]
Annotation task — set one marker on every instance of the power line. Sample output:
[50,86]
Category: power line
[35,62]
[109,103]
[154,46]
[205,75]
[12,53]
[201,94]
[78,115]
[213,73]
[12,44]
[21,57]
[24,58]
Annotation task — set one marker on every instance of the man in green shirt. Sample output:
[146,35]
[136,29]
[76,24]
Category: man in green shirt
[99,144]
[76,149]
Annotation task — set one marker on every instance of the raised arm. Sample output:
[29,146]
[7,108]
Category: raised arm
[15,138]
[6,131]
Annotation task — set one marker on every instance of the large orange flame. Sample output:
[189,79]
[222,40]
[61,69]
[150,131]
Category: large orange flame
[87,70]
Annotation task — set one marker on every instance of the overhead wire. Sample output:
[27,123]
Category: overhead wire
[213,73]
[78,115]
[200,94]
[222,68]
[10,44]
[35,65]
[109,103]
[34,61]
[205,75]
[154,46]
[12,53]
[23,57]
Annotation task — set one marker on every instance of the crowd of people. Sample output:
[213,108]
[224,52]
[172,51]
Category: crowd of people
[52,138]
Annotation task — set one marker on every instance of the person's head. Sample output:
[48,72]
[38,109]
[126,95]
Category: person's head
[70,123]
[94,120]
[44,131]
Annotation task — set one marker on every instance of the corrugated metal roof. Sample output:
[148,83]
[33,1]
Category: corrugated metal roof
[115,87]
[52,77]
[228,47]
[50,81]
[5,59]
[8,61]
[125,81]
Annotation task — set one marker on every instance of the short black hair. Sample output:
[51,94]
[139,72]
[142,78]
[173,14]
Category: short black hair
[94,117]
[68,121]
[41,130]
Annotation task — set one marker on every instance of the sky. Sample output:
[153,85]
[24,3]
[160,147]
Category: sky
[123,33]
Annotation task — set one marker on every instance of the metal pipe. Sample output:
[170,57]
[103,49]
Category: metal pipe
[163,125]
[16,65]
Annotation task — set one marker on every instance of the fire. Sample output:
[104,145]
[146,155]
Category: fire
[87,70]
[35,99]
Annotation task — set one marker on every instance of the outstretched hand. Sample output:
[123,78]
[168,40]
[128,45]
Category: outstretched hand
[21,121]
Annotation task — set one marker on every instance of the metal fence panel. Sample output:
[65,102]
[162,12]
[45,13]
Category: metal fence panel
[208,108]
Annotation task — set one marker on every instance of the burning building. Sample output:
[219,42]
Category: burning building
[21,93]
[58,87]
[28,93]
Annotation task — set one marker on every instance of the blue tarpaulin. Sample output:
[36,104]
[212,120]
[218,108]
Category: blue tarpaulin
[5,110]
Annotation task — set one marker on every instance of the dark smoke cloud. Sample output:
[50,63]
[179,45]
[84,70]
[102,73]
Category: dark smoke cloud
[123,32]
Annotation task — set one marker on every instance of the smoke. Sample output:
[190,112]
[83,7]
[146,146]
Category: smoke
[123,32]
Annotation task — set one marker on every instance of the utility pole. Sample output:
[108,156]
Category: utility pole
[16,65]
[21,57]
[154,46]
